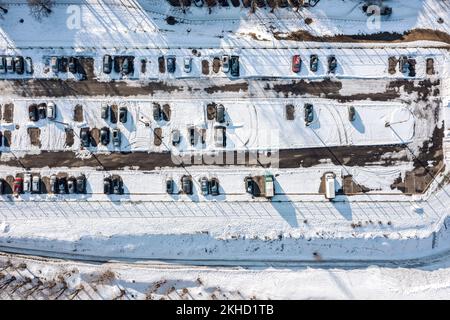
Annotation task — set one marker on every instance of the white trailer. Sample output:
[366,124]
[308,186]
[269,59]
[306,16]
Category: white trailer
[268,184]
[330,192]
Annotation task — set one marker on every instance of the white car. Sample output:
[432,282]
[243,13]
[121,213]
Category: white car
[36,184]
[225,63]
[187,64]
[10,64]
[198,3]
[51,111]
[28,65]
[27,182]
[2,65]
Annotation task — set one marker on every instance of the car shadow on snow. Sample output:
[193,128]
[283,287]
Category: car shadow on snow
[342,205]
[285,209]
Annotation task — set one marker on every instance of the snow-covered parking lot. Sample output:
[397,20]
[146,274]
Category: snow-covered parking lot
[256,125]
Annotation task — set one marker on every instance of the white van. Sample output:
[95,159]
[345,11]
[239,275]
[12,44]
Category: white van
[330,192]
[270,190]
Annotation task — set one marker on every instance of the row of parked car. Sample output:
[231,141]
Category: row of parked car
[107,114]
[313,63]
[105,137]
[57,185]
[309,113]
[16,64]
[124,65]
[64,64]
[207,186]
[42,110]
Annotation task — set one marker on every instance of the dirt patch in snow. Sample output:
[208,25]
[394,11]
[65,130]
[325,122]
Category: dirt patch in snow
[34,134]
[234,87]
[412,35]
[8,112]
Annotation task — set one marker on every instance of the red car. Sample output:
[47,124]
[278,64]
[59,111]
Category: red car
[296,63]
[18,185]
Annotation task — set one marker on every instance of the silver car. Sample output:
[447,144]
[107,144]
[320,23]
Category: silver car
[9,64]
[225,63]
[51,111]
[187,64]
[36,184]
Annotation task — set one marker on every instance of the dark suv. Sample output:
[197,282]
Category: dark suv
[309,113]
[234,66]
[186,184]
[107,64]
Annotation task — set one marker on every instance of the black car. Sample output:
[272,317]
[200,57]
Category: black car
[2,186]
[214,186]
[314,62]
[73,65]
[19,65]
[107,185]
[85,137]
[117,185]
[169,186]
[156,112]
[123,113]
[309,113]
[81,184]
[42,110]
[249,185]
[220,113]
[351,113]
[104,136]
[186,183]
[33,112]
[234,66]
[171,66]
[62,187]
[63,64]
[332,64]
[107,64]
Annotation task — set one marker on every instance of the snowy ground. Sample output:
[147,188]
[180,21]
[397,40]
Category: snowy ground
[56,279]
[382,226]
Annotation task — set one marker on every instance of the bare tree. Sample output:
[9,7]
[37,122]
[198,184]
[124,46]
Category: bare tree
[40,8]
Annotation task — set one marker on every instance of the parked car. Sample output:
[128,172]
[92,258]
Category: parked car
[27,182]
[53,184]
[51,111]
[73,65]
[186,183]
[171,66]
[104,112]
[332,64]
[63,63]
[18,185]
[234,66]
[169,186]
[309,113]
[29,65]
[104,136]
[107,185]
[296,63]
[117,185]
[107,64]
[123,114]
[156,112]
[204,185]
[81,184]
[85,137]
[54,64]
[33,112]
[42,111]
[249,185]
[71,189]
[10,64]
[126,68]
[351,113]
[220,113]
[2,186]
[36,184]
[62,187]
[175,137]
[187,61]
[2,65]
[225,63]
[192,136]
[314,62]
[19,65]
[214,186]
[116,137]
[220,136]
